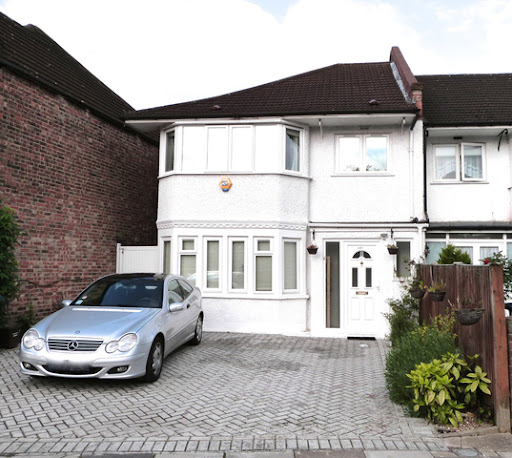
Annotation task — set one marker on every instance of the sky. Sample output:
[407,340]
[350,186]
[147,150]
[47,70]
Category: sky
[160,52]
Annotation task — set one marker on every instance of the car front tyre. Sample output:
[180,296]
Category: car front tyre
[198,333]
[155,361]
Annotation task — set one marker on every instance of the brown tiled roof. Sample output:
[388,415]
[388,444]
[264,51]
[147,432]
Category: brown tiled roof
[338,89]
[467,100]
[33,54]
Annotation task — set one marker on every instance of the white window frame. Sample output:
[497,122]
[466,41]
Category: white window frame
[297,266]
[257,254]
[362,155]
[301,148]
[459,163]
[184,252]
[245,241]
[205,264]
[174,163]
[169,241]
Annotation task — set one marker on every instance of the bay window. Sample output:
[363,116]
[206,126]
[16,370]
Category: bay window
[188,259]
[212,264]
[459,162]
[290,265]
[169,151]
[292,153]
[263,264]
[238,260]
[167,257]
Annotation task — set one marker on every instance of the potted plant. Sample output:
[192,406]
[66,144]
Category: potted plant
[313,248]
[417,289]
[468,314]
[392,248]
[437,291]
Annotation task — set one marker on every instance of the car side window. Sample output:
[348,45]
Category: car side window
[187,289]
[174,292]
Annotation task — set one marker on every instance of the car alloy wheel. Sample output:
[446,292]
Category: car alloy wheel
[155,361]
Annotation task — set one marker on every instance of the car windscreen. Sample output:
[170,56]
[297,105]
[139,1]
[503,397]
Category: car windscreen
[123,292]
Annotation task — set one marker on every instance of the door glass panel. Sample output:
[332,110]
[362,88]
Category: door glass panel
[368,277]
[354,277]
[333,284]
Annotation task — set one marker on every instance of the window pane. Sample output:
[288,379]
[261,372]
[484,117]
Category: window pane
[188,267]
[169,152]
[237,263]
[488,251]
[188,244]
[241,148]
[292,150]
[263,273]
[509,250]
[167,257]
[473,161]
[263,245]
[468,250]
[174,293]
[217,149]
[349,154]
[434,250]
[446,162]
[212,264]
[290,265]
[403,258]
[368,277]
[376,154]
[355,283]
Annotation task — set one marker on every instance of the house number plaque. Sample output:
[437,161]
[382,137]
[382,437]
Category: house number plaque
[361,293]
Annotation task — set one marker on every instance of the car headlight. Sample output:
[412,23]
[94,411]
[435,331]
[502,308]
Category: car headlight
[31,339]
[125,343]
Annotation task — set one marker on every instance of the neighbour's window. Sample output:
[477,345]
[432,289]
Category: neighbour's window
[169,152]
[488,251]
[212,264]
[263,261]
[433,251]
[362,153]
[188,260]
[464,162]
[167,257]
[290,265]
[292,150]
[238,265]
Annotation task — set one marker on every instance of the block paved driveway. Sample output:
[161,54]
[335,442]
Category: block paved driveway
[233,392]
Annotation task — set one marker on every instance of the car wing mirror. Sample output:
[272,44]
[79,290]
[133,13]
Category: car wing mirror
[66,302]
[176,307]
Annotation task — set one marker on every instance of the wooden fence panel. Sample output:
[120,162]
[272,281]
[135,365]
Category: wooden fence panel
[484,286]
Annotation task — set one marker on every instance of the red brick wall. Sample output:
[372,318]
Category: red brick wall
[78,185]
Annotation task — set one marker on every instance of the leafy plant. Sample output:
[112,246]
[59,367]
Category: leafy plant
[425,343]
[437,286]
[9,280]
[450,255]
[404,316]
[27,319]
[499,259]
[439,391]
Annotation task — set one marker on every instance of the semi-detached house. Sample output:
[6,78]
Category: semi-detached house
[339,158]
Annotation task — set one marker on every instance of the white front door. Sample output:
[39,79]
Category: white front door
[363,308]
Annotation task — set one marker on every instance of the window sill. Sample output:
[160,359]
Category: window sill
[458,182]
[254,296]
[209,173]
[364,174]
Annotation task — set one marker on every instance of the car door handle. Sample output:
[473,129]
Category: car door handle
[188,306]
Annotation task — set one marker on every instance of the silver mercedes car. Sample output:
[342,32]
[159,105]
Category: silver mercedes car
[121,326]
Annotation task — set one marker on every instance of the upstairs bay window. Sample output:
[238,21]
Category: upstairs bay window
[362,153]
[292,150]
[464,162]
[169,151]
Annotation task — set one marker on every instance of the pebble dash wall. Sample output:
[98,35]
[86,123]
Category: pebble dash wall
[78,184]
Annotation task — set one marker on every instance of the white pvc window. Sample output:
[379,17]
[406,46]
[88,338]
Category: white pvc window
[290,265]
[238,276]
[217,152]
[188,259]
[263,264]
[241,148]
[464,162]
[362,153]
[292,156]
[212,264]
[169,151]
[167,257]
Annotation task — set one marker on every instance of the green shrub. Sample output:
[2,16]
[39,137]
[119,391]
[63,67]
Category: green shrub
[9,281]
[450,254]
[404,316]
[499,259]
[421,345]
[443,388]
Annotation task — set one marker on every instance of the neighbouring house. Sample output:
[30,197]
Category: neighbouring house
[79,180]
[248,180]
[468,163]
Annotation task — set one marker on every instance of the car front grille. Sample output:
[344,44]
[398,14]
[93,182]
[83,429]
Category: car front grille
[74,345]
[70,370]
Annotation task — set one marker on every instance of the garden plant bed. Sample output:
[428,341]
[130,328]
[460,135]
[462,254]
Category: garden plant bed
[471,426]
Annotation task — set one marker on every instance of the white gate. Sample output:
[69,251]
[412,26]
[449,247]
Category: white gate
[132,259]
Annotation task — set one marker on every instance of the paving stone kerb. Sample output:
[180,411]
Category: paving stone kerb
[233,392]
